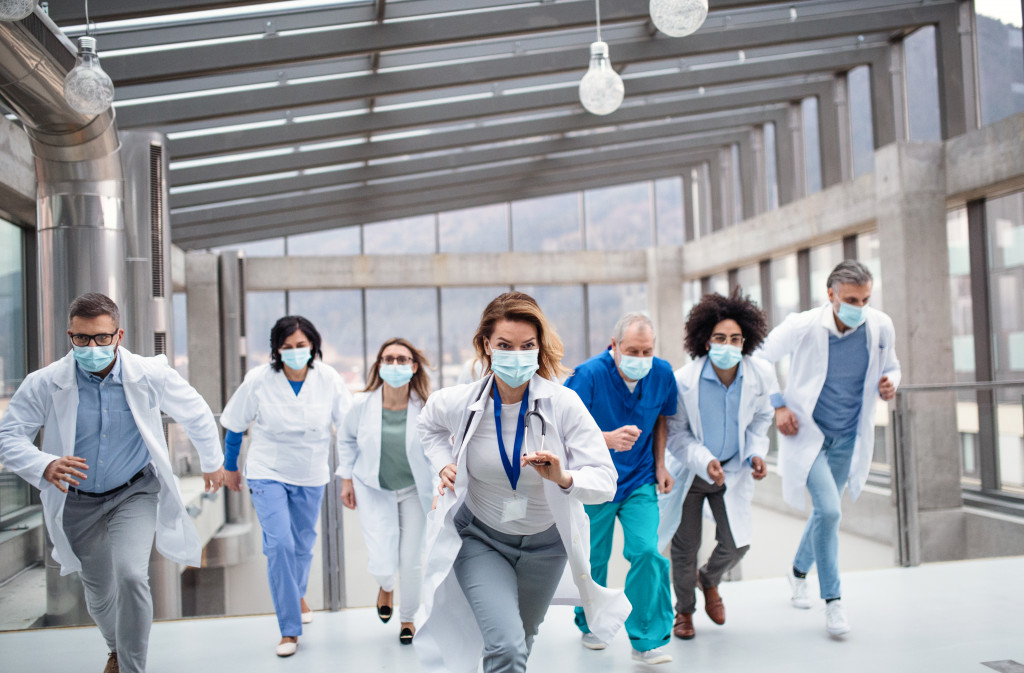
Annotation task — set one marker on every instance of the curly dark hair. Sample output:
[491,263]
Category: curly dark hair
[713,309]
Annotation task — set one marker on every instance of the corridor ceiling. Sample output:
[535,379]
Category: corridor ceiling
[289,117]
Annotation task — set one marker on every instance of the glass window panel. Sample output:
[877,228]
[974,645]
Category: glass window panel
[605,304]
[691,295]
[549,223]
[859,96]
[868,254]
[922,75]
[749,279]
[824,258]
[812,149]
[14,492]
[483,229]
[618,218]
[563,306]
[1000,60]
[720,284]
[785,287]
[961,301]
[262,310]
[340,241]
[410,235]
[1005,225]
[410,313]
[461,308]
[668,203]
[272,247]
[179,305]
[338,316]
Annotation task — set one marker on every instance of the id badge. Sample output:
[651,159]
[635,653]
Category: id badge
[513,509]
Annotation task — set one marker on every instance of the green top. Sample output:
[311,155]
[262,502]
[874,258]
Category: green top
[395,473]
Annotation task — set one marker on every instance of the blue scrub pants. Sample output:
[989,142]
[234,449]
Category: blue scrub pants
[820,542]
[649,625]
[288,516]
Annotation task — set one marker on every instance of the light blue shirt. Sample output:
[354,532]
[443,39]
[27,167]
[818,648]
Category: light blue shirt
[105,432]
[720,413]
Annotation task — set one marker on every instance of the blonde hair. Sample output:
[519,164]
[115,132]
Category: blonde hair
[521,307]
[420,382]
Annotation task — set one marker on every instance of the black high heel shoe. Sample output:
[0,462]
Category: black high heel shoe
[383,611]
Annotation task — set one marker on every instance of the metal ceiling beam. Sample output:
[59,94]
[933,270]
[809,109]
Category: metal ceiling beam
[382,202]
[240,141]
[366,39]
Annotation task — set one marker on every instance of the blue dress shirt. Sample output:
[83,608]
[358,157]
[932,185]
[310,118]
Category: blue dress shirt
[105,432]
[720,413]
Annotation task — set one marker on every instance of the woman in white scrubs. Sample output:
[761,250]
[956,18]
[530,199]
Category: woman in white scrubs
[289,407]
[518,456]
[386,478]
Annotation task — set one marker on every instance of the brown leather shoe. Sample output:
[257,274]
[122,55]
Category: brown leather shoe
[111,666]
[713,604]
[683,626]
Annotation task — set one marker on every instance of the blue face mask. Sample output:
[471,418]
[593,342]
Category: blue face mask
[725,356]
[635,368]
[514,367]
[95,358]
[295,358]
[396,376]
[851,316]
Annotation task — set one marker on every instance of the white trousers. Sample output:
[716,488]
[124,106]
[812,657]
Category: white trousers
[411,523]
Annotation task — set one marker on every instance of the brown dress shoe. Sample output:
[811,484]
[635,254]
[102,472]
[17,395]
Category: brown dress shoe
[683,626]
[713,605]
[111,666]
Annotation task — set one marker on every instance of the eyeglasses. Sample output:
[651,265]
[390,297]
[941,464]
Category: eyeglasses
[83,340]
[722,339]
[400,360]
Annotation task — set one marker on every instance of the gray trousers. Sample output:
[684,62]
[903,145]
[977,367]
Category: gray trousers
[509,581]
[113,538]
[686,542]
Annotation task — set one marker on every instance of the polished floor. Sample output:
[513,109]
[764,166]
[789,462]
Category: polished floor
[944,617]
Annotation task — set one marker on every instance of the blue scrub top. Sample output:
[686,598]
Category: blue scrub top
[599,385]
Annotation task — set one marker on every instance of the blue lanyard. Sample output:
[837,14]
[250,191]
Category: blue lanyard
[511,467]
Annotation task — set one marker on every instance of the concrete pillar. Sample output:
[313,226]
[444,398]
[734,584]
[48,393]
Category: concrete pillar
[665,301]
[202,292]
[911,210]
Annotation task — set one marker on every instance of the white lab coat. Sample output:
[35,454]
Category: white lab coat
[290,437]
[359,460]
[448,638]
[690,458]
[48,399]
[804,336]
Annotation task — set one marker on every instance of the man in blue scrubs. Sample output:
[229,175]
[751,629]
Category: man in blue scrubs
[630,393]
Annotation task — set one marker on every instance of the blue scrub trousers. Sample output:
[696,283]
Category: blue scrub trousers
[649,625]
[288,516]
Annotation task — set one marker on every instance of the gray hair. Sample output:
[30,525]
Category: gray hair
[849,272]
[93,305]
[629,319]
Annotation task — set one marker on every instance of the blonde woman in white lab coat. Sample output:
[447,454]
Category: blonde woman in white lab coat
[386,477]
[510,516]
[289,407]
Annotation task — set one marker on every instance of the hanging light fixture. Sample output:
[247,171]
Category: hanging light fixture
[601,89]
[87,88]
[16,10]
[678,18]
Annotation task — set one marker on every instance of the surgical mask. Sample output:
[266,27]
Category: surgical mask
[514,367]
[396,376]
[850,315]
[295,358]
[95,358]
[635,368]
[725,356]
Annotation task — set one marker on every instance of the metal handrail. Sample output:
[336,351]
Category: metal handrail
[945,387]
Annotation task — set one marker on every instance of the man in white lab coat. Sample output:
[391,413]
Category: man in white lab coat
[104,473]
[843,360]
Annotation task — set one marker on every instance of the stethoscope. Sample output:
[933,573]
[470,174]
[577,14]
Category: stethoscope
[543,427]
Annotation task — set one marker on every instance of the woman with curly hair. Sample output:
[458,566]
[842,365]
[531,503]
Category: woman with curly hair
[718,436]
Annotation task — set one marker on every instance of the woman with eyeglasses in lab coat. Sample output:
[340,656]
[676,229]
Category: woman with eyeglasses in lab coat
[518,455]
[386,477]
[289,407]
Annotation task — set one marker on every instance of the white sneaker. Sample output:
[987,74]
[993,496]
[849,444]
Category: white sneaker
[592,642]
[801,599]
[656,656]
[835,618]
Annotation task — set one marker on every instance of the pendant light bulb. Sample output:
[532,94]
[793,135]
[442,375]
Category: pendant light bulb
[87,88]
[679,18]
[601,89]
[16,10]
